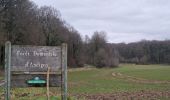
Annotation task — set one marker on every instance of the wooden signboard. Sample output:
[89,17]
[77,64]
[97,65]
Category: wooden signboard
[23,63]
[35,58]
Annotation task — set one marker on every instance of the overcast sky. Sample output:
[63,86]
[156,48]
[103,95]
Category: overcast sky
[123,20]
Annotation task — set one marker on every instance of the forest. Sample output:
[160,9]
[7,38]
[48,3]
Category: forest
[24,23]
[144,52]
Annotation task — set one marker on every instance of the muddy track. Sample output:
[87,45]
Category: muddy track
[138,80]
[141,95]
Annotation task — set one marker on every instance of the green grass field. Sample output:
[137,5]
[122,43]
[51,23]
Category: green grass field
[102,81]
[125,78]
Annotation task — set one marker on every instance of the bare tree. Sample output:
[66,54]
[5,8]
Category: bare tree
[100,53]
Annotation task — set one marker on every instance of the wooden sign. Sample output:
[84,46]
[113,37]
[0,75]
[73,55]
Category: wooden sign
[24,63]
[35,58]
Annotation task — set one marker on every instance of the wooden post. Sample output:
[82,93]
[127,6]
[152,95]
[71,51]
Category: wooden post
[48,91]
[64,71]
[7,70]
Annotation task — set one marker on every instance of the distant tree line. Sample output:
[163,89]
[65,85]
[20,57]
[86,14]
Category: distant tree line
[144,52]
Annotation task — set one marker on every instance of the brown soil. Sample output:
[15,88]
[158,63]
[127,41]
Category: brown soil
[141,95]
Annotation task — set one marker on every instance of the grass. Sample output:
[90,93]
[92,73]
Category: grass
[94,81]
[151,72]
[102,81]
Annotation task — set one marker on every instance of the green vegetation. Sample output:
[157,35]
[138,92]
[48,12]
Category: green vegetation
[151,72]
[126,78]
[102,80]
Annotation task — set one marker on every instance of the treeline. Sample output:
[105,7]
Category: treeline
[144,52]
[24,23]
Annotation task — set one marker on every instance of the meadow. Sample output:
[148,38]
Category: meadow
[146,81]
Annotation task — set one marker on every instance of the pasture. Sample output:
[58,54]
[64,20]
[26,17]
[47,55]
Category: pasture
[126,81]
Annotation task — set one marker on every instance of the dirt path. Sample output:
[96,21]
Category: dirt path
[138,80]
[141,95]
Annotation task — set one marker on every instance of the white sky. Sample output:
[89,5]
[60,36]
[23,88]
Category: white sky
[123,20]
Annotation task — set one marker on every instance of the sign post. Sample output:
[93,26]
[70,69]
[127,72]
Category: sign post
[64,71]
[7,70]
